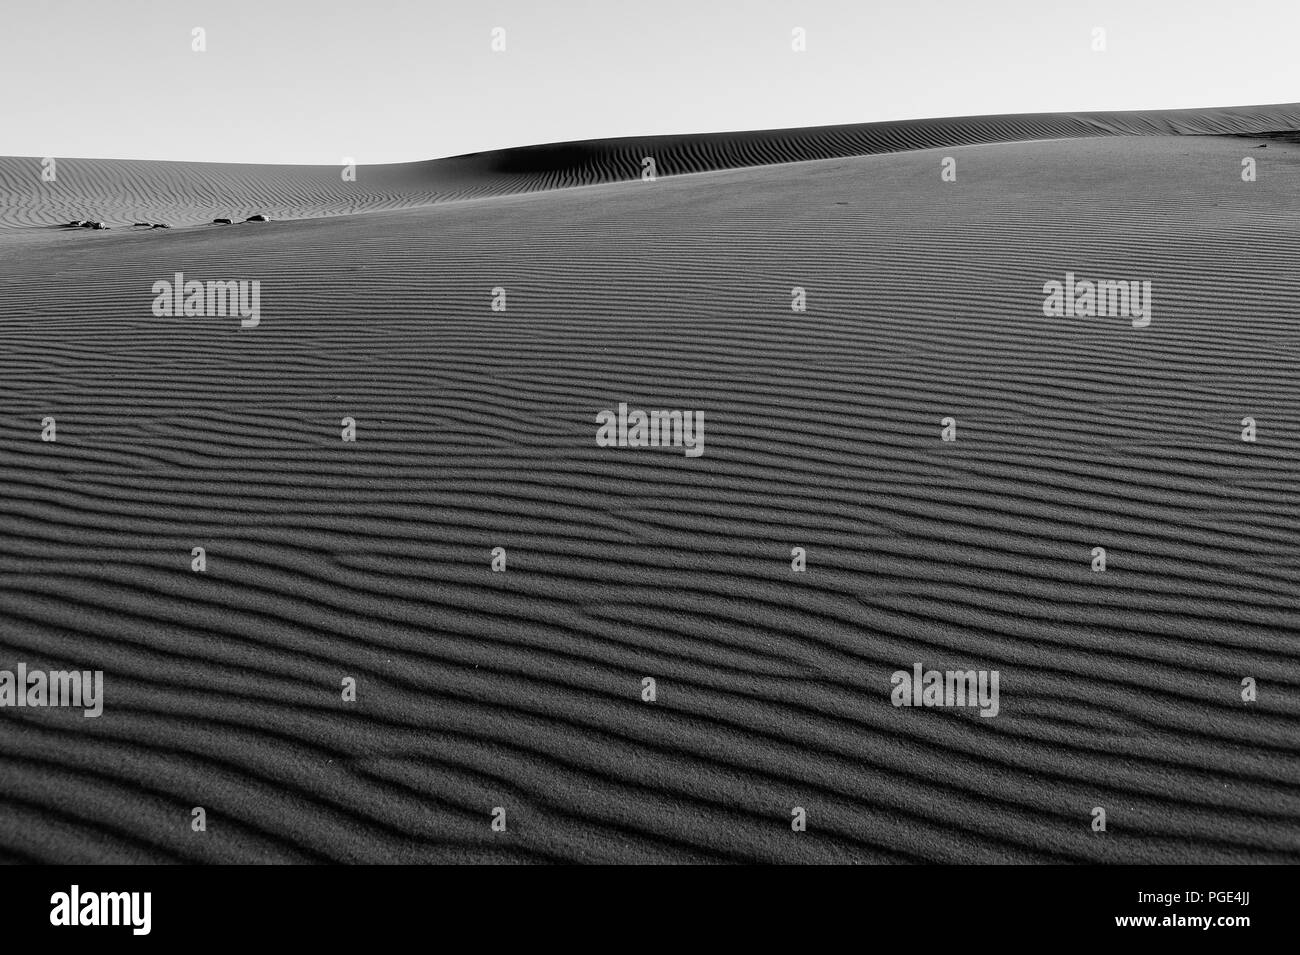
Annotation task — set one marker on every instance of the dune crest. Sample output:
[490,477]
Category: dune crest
[191,193]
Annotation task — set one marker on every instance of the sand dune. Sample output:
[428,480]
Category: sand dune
[476,430]
[120,192]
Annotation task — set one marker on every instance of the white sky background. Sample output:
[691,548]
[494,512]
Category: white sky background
[312,81]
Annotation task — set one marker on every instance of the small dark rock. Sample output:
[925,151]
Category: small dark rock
[160,225]
[257,218]
[221,222]
[145,224]
[77,223]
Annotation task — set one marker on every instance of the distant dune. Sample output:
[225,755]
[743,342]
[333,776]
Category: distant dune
[120,192]
[476,429]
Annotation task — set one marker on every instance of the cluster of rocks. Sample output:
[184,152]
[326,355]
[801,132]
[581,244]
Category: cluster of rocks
[92,224]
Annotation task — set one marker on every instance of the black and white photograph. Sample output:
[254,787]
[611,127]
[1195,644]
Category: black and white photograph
[529,432]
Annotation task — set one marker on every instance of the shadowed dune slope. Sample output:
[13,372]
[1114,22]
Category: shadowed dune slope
[120,192]
[476,430]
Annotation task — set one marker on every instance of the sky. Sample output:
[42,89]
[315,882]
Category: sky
[378,81]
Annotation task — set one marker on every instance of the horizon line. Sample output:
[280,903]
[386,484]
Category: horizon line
[678,135]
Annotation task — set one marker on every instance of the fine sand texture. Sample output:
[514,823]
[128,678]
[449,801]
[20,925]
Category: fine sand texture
[476,429]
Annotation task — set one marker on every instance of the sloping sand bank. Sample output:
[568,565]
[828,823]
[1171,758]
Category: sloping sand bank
[476,429]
